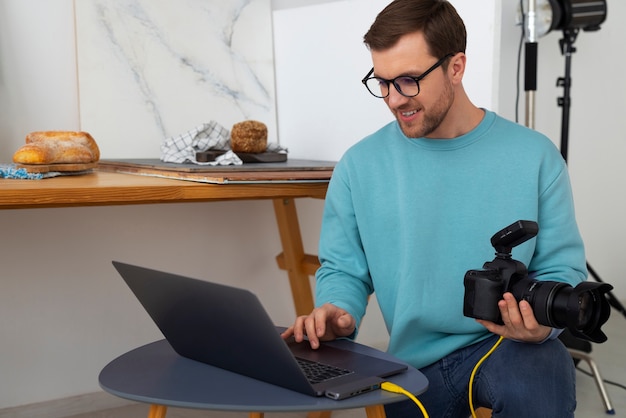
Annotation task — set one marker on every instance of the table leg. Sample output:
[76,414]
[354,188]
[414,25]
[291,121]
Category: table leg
[157,411]
[298,265]
[293,255]
[319,414]
[483,412]
[375,411]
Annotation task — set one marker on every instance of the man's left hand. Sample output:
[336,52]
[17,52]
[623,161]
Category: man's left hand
[519,321]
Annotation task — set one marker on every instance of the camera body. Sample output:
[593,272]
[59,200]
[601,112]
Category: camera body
[485,287]
[582,309]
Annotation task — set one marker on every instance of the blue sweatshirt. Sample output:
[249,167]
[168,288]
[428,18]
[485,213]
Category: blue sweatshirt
[407,217]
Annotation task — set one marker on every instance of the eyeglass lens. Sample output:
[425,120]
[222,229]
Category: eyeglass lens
[407,86]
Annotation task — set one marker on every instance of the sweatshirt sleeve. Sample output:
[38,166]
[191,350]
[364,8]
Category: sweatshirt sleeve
[559,253]
[343,278]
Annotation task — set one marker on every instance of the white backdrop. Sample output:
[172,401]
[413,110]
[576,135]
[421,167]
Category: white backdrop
[320,59]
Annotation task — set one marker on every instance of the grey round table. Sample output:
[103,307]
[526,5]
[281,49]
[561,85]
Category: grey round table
[156,374]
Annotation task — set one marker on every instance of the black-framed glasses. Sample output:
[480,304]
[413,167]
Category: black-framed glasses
[406,85]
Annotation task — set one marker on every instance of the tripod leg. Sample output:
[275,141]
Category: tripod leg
[596,375]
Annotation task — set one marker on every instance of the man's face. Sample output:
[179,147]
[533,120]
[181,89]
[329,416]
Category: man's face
[418,116]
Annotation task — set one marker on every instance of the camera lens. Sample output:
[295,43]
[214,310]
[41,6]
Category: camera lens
[592,310]
[585,312]
[581,309]
[542,296]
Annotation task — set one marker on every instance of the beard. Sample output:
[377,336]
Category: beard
[432,118]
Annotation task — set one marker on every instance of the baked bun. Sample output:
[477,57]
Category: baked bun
[249,136]
[57,147]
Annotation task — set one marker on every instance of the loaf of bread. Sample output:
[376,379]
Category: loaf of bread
[249,136]
[57,147]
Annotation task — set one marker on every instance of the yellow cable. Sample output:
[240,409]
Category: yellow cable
[392,387]
[471,382]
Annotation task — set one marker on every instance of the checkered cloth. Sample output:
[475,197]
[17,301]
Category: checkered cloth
[10,171]
[208,136]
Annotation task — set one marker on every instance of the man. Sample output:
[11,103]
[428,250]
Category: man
[412,207]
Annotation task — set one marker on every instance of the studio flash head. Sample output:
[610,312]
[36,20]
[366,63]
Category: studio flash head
[587,15]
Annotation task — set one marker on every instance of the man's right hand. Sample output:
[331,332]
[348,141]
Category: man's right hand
[323,324]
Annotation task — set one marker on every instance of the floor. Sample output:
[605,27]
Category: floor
[609,358]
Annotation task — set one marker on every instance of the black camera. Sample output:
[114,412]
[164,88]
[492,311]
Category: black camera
[582,309]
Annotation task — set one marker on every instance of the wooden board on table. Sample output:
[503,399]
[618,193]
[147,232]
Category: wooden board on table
[61,167]
[288,171]
[246,157]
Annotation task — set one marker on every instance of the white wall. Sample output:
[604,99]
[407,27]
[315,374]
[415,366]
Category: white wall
[64,312]
[597,140]
[37,70]
[323,107]
[597,137]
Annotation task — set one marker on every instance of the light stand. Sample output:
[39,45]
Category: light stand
[578,349]
[530,64]
[571,16]
[567,49]
[565,102]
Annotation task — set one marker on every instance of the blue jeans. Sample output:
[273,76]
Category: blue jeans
[517,380]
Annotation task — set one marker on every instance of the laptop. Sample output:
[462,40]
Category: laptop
[227,327]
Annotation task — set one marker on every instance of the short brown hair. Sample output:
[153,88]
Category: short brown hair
[438,20]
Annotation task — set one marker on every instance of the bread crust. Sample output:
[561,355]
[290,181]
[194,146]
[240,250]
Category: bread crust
[57,147]
[249,136]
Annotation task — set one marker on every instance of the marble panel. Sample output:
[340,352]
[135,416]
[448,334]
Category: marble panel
[151,69]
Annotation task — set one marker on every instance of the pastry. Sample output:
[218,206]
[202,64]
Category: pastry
[57,147]
[249,136]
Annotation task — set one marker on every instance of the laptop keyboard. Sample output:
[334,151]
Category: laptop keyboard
[320,372]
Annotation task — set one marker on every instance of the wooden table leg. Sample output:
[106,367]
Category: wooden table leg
[299,265]
[483,412]
[256,415]
[293,255]
[375,411]
[319,414]
[157,411]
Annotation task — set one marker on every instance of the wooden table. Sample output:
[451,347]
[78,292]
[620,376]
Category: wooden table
[102,188]
[110,188]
